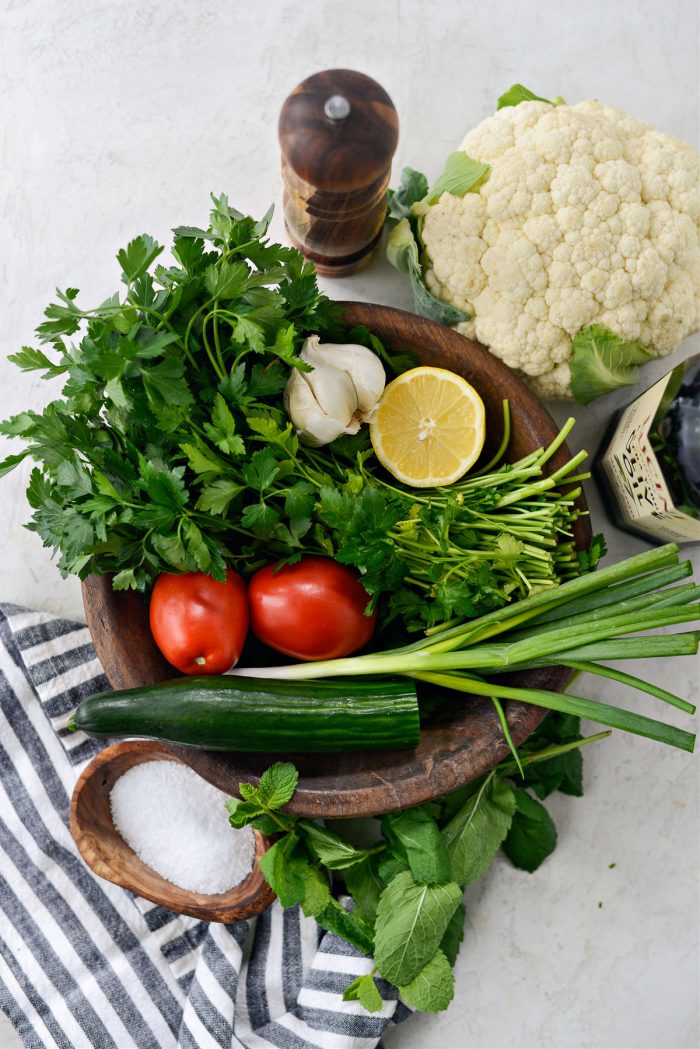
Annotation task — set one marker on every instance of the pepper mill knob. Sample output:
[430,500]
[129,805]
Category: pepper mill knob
[338,131]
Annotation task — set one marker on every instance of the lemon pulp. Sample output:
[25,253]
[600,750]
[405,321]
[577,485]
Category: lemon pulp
[429,427]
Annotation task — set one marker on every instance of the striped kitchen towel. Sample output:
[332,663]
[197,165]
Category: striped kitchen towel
[84,963]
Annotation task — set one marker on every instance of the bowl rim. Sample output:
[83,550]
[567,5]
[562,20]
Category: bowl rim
[249,897]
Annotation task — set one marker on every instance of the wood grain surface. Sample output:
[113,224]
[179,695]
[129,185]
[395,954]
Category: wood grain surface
[108,855]
[467,739]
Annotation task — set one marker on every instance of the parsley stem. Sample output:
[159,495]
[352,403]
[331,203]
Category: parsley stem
[188,330]
[214,363]
[162,319]
[505,441]
[217,342]
[558,441]
[530,607]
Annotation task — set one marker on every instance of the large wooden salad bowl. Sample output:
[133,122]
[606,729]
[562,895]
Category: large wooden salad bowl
[462,743]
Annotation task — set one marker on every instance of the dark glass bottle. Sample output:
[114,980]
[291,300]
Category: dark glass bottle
[648,466]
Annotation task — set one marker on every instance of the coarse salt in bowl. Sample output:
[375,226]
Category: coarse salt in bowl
[177,824]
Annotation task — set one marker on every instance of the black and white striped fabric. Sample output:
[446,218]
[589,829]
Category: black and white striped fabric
[84,963]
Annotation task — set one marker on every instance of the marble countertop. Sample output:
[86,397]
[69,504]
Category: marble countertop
[117,119]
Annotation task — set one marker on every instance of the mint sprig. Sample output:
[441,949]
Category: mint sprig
[406,908]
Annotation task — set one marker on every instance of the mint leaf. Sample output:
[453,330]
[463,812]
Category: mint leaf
[277,785]
[432,989]
[518,93]
[454,934]
[317,894]
[426,854]
[532,835]
[332,851]
[364,990]
[602,361]
[411,921]
[564,773]
[241,813]
[365,886]
[348,925]
[460,175]
[284,868]
[392,862]
[475,833]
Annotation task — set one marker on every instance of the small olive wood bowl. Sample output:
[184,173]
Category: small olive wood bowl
[466,740]
[108,855]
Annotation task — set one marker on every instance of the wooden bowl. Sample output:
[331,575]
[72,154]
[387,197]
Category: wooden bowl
[467,739]
[108,855]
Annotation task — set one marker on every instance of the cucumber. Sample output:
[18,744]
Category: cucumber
[255,715]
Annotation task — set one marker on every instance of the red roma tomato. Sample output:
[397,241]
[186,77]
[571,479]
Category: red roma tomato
[199,624]
[311,610]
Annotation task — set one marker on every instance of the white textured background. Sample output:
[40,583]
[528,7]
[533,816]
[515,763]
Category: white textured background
[120,118]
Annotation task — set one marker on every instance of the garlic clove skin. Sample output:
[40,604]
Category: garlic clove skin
[361,364]
[305,406]
[333,389]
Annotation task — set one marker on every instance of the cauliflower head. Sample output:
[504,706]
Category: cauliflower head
[588,217]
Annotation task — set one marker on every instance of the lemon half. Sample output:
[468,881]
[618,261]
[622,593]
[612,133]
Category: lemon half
[429,427]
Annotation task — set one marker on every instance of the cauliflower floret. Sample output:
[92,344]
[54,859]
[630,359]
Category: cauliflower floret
[588,216]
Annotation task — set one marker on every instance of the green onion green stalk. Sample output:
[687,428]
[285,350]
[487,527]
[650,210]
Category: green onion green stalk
[579,624]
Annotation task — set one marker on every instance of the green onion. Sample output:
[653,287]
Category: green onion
[634,682]
[565,703]
[593,615]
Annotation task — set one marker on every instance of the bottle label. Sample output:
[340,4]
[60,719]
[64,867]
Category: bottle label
[631,467]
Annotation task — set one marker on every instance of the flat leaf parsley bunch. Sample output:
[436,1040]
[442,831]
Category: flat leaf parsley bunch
[170,449]
[162,423]
[407,910]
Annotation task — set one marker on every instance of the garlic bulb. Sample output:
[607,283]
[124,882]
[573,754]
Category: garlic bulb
[321,409]
[341,391]
[362,365]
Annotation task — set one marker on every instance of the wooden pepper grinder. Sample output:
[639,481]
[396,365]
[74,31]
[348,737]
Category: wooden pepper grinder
[338,131]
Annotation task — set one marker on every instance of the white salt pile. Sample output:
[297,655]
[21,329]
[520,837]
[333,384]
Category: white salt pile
[176,822]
